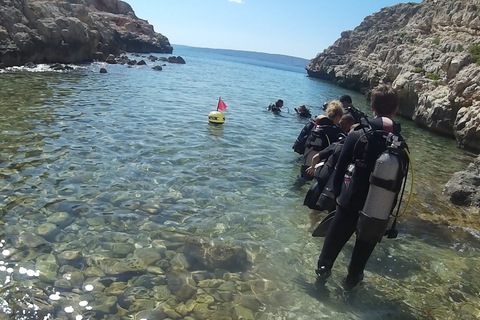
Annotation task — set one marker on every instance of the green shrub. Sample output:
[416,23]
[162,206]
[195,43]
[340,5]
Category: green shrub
[436,41]
[433,76]
[418,70]
[475,52]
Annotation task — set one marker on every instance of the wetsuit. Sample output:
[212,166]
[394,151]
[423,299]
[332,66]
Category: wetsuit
[349,204]
[305,113]
[299,144]
[330,154]
[321,137]
[355,114]
[274,108]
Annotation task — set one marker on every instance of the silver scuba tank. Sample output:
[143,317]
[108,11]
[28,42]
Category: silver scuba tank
[382,193]
[385,184]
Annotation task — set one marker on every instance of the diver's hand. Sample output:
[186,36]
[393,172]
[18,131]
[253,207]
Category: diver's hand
[310,170]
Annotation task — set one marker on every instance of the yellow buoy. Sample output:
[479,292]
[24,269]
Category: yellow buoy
[216,117]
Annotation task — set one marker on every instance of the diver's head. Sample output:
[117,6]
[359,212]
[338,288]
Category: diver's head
[334,111]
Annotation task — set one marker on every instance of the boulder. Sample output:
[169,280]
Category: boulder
[464,187]
[178,60]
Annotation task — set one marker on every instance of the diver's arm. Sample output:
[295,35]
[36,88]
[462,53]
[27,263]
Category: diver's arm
[316,159]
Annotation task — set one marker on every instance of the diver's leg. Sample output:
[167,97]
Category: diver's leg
[341,229]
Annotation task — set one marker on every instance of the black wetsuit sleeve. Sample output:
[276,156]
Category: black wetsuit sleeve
[324,154]
[344,160]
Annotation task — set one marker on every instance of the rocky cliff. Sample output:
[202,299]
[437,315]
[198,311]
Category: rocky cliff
[72,31]
[429,51]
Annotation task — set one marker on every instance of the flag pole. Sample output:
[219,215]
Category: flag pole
[218,102]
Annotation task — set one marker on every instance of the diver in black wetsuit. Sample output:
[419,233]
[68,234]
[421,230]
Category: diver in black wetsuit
[348,107]
[303,112]
[324,134]
[350,201]
[276,107]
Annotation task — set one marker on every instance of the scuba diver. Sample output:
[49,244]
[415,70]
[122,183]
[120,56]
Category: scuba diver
[352,185]
[324,134]
[276,107]
[319,197]
[303,112]
[348,107]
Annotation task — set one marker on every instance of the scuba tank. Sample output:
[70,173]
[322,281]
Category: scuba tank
[385,183]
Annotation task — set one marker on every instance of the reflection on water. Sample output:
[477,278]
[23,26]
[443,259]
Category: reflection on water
[120,200]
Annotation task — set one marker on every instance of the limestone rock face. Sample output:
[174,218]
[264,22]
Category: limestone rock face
[72,31]
[424,51]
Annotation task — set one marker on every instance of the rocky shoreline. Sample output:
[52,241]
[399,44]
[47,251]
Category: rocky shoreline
[73,31]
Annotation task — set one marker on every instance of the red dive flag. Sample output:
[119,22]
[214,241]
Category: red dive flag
[221,105]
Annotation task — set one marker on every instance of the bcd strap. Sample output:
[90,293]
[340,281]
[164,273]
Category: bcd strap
[390,185]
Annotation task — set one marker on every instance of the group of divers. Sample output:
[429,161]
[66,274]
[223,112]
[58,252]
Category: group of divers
[359,167]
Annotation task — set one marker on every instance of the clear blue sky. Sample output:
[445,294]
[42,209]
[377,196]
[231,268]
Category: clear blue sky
[300,28]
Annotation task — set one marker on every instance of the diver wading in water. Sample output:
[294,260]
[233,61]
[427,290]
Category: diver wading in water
[366,183]
[322,135]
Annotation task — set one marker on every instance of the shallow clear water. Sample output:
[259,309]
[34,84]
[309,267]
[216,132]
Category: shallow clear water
[98,168]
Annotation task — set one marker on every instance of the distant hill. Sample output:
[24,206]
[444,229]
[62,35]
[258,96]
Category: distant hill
[275,58]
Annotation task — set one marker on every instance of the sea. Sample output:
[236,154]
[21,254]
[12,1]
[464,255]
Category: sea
[119,200]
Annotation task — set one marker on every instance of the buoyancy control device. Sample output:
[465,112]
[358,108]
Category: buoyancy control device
[386,181]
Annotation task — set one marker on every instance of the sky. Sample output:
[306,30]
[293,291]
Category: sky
[299,28]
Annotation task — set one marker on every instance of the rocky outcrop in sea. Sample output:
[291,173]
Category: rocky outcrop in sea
[429,51]
[72,31]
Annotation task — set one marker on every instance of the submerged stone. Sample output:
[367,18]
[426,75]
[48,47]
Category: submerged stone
[213,256]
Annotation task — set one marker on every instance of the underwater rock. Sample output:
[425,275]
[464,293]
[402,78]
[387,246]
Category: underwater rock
[96,221]
[93,272]
[47,265]
[29,240]
[227,286]
[179,262]
[243,313]
[249,301]
[201,275]
[150,314]
[61,218]
[116,289]
[67,257]
[181,287]
[122,250]
[147,256]
[213,256]
[125,266]
[210,283]
[105,305]
[47,230]
[74,276]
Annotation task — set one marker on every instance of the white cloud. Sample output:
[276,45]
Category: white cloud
[237,1]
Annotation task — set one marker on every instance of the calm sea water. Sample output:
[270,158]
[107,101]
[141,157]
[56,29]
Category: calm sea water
[97,167]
